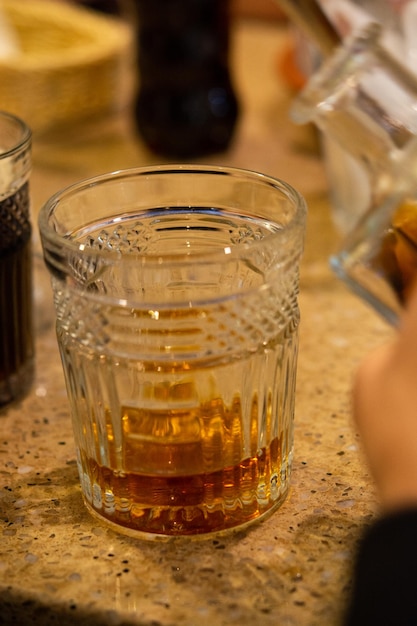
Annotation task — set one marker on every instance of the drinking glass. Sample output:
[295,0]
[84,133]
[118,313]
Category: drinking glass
[176,302]
[16,326]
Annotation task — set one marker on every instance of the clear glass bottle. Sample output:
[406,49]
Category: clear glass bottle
[366,100]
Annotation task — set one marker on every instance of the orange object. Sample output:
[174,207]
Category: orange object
[288,68]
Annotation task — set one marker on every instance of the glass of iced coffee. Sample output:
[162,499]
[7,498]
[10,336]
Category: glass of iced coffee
[177,320]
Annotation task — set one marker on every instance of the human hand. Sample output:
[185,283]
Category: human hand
[385,412]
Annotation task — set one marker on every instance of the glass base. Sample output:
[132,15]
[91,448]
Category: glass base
[369,287]
[165,537]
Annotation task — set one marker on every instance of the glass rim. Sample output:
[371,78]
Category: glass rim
[23,141]
[60,241]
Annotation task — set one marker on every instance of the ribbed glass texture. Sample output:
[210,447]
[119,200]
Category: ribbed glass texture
[178,330]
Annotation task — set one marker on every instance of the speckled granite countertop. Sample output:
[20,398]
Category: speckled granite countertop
[60,566]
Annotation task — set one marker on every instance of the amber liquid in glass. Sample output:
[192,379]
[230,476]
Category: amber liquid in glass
[397,257]
[182,474]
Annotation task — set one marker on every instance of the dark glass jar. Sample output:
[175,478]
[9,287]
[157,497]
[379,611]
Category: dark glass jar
[186,105]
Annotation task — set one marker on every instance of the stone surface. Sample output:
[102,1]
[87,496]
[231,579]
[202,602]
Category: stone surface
[58,565]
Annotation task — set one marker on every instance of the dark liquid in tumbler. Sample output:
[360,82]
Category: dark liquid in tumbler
[16,344]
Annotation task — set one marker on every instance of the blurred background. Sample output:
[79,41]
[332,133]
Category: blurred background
[166,70]
[64,61]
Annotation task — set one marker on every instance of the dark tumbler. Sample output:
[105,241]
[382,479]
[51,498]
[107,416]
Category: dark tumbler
[16,330]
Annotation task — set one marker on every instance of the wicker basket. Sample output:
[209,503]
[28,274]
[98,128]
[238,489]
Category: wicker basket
[73,64]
